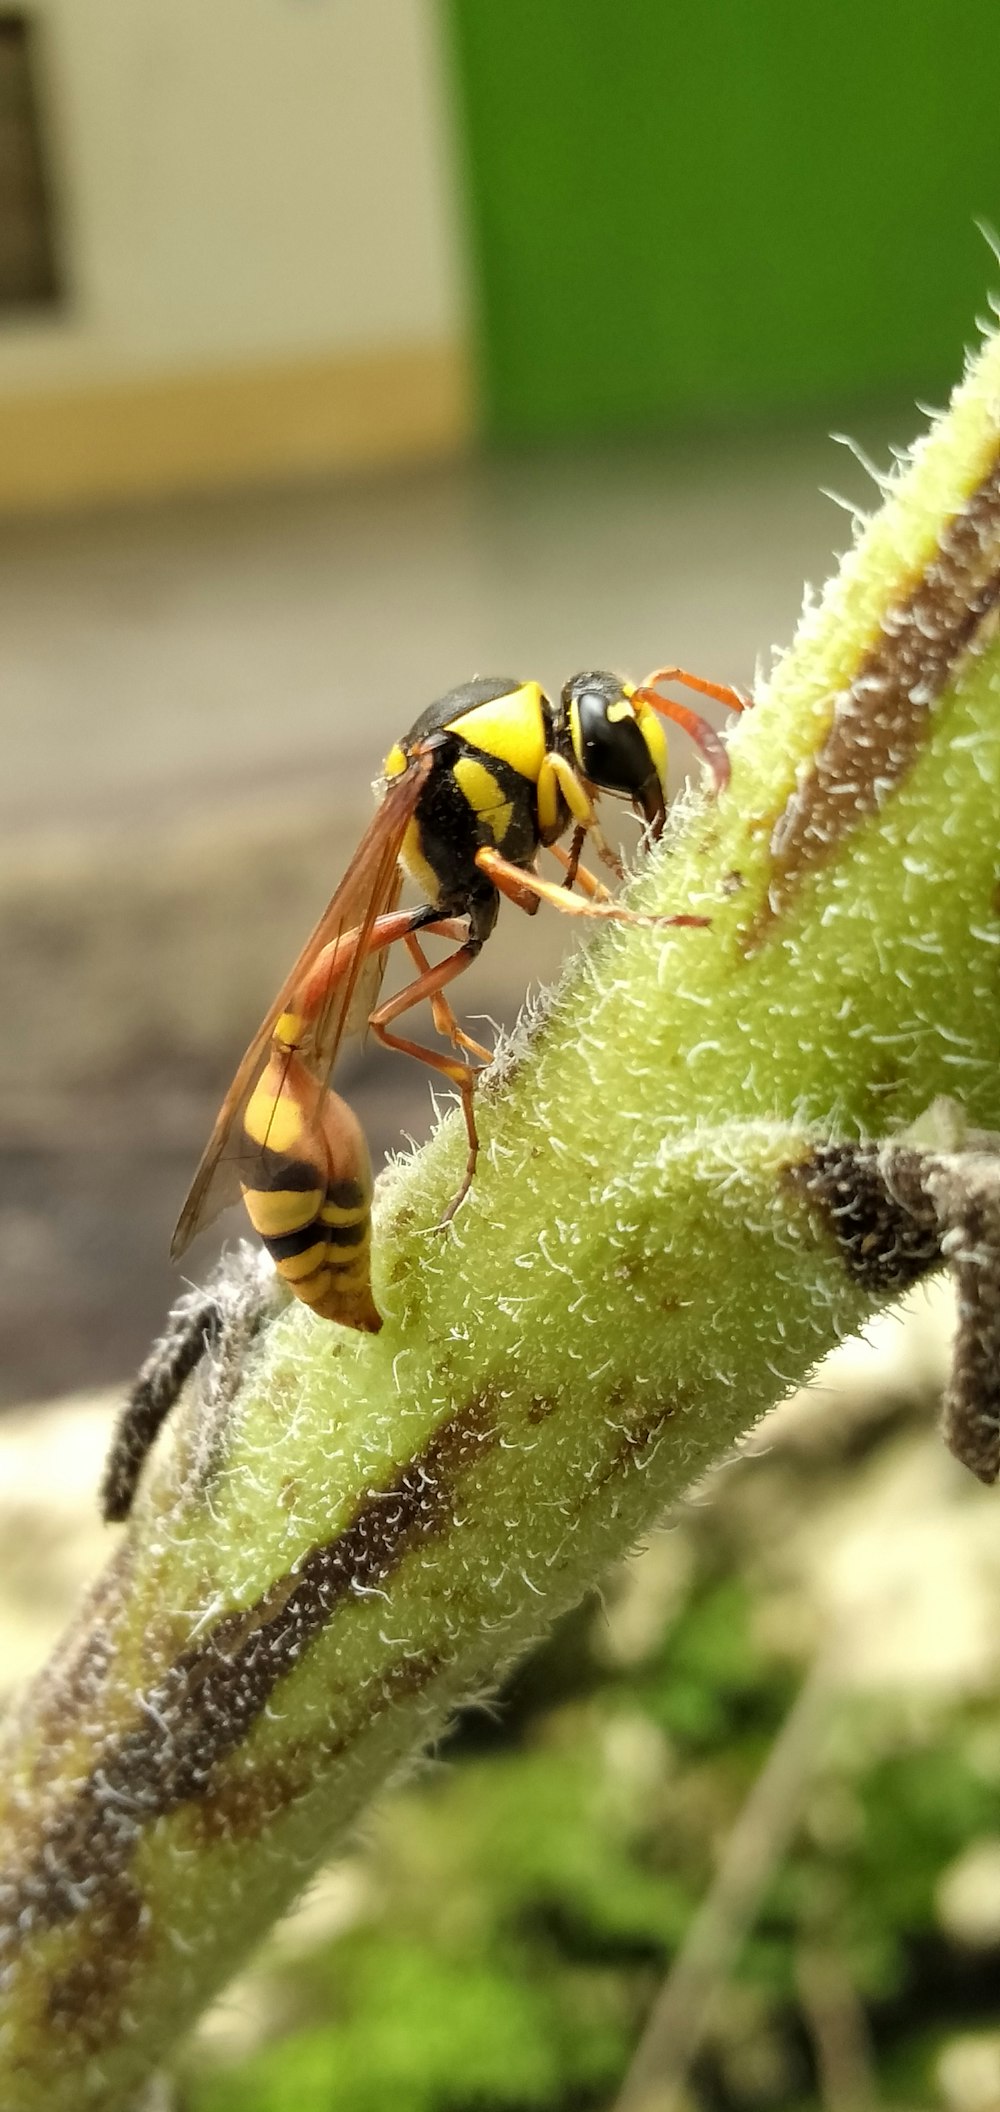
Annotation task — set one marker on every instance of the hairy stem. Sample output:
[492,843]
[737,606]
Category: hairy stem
[342,1536]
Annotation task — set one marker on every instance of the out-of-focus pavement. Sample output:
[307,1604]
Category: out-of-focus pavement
[193,703]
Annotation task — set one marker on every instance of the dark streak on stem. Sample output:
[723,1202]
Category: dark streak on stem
[896,1212]
[205,1706]
[885,1246]
[881,720]
[964,1191]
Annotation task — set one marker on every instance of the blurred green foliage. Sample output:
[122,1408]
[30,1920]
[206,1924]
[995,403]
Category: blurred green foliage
[518,1905]
[694,213]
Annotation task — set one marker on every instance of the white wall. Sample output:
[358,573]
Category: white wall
[242,181]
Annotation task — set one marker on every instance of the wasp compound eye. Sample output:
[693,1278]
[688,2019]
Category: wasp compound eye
[607,741]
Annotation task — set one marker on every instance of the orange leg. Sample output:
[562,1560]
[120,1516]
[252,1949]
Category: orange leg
[441,1012]
[523,887]
[429,985]
[577,874]
[723,692]
[703,735]
[340,957]
[601,845]
[571,858]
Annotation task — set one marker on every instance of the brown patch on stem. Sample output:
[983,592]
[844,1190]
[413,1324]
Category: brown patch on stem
[884,1245]
[971,1414]
[85,2003]
[963,1190]
[882,719]
[70,1686]
[541,1406]
[205,1704]
[245,1804]
[639,1439]
[896,1211]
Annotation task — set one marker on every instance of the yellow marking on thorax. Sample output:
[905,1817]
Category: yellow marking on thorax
[479,786]
[395,762]
[411,857]
[512,728]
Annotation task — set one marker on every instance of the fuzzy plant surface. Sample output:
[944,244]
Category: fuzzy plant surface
[676,1214]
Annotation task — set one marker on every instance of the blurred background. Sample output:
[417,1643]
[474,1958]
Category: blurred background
[346,351]
[349,347]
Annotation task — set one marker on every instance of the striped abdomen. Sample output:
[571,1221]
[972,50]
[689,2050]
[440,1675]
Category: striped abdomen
[311,1190]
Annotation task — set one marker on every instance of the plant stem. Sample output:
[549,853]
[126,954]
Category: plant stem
[342,1536]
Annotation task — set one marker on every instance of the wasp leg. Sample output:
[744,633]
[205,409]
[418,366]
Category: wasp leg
[462,1075]
[703,735]
[723,692]
[577,874]
[571,858]
[556,777]
[337,959]
[523,888]
[444,1018]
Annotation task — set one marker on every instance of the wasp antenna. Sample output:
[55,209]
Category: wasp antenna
[704,736]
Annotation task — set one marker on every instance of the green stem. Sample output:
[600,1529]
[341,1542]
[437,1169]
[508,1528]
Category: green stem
[350,1534]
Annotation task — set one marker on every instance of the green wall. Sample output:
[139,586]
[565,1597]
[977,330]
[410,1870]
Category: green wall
[682,212]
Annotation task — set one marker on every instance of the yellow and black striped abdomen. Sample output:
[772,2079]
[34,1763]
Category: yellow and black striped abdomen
[308,1191]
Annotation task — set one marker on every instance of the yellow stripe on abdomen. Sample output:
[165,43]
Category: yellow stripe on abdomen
[274,1212]
[308,1190]
[273,1116]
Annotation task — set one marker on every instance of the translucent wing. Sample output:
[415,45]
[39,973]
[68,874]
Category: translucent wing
[370,885]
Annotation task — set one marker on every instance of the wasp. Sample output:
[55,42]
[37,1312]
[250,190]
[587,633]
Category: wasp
[486,778]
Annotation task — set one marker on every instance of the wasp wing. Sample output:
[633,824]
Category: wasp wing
[367,982]
[370,885]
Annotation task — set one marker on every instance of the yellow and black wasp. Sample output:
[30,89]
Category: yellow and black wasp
[486,778]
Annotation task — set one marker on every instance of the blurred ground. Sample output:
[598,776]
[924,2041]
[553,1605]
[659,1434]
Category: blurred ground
[194,702]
